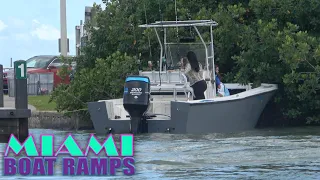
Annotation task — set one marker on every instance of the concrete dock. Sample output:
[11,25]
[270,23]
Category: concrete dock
[15,112]
[9,102]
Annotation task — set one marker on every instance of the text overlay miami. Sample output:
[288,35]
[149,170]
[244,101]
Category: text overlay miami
[75,161]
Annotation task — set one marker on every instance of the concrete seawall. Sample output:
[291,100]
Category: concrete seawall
[55,120]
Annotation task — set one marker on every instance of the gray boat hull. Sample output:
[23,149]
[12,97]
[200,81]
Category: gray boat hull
[203,117]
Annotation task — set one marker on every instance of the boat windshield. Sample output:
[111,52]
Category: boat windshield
[38,62]
[176,51]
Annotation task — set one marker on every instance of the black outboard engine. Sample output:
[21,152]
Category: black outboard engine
[136,100]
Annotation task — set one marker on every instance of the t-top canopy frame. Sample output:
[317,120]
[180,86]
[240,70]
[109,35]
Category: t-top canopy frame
[166,24]
[187,23]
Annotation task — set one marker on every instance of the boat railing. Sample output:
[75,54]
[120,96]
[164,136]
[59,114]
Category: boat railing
[168,81]
[166,77]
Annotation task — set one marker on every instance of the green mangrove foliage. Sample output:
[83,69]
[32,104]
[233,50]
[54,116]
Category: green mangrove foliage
[258,41]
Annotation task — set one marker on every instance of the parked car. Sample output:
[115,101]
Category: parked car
[41,64]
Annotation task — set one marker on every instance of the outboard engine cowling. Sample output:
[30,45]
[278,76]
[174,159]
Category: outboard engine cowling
[136,100]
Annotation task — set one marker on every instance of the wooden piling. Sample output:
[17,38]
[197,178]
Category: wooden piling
[21,96]
[1,86]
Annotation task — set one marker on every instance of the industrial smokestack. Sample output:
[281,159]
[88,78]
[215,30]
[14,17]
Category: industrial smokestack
[63,45]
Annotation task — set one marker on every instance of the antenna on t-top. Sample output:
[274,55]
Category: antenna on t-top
[161,17]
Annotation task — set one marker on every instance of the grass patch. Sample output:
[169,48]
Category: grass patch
[42,103]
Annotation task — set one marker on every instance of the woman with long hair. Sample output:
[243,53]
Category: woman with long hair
[193,70]
[218,77]
[218,72]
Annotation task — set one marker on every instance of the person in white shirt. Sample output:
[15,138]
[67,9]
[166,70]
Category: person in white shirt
[193,71]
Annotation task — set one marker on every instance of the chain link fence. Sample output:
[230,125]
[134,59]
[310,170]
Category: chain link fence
[38,84]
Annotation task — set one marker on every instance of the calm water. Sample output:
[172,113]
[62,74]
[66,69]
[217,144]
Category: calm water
[292,153]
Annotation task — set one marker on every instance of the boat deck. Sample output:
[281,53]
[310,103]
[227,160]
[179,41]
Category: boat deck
[183,116]
[160,105]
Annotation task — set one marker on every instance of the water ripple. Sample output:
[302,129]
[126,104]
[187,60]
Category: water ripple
[291,153]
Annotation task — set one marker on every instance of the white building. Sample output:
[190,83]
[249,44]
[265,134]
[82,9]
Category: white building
[81,34]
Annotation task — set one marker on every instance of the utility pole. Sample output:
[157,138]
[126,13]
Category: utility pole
[63,28]
[78,40]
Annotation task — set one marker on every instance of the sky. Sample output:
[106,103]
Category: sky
[32,27]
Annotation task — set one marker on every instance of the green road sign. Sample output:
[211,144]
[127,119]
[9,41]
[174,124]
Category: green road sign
[20,68]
